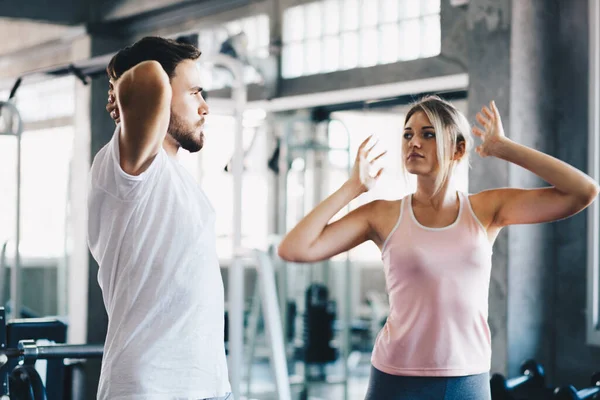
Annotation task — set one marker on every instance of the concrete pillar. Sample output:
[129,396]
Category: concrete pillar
[515,58]
[533,123]
[575,360]
[488,47]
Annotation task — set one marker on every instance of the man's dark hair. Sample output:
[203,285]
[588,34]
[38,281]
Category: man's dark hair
[168,52]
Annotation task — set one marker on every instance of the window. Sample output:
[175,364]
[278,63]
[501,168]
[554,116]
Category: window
[47,100]
[257,33]
[333,35]
[46,155]
[593,303]
[44,184]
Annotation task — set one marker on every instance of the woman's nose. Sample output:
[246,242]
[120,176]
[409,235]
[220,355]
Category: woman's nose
[414,142]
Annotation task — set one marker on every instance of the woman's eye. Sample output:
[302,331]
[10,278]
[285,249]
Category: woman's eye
[407,136]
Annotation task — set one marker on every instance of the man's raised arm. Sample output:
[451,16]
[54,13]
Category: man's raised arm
[143,95]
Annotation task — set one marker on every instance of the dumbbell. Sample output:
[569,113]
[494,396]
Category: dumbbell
[532,375]
[570,393]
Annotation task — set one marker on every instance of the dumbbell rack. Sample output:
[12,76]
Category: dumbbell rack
[570,393]
[532,377]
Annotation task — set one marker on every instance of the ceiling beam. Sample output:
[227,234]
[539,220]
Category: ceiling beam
[171,15]
[64,12]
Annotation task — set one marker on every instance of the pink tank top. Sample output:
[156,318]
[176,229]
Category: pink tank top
[437,280]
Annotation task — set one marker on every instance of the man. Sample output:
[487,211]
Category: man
[151,230]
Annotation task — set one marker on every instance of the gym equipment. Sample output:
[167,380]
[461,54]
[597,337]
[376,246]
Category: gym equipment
[304,159]
[74,379]
[532,377]
[24,381]
[318,327]
[20,348]
[265,298]
[50,330]
[236,269]
[30,352]
[11,124]
[570,393]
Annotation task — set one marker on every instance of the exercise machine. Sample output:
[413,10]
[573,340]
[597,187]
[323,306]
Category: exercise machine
[265,300]
[24,342]
[301,162]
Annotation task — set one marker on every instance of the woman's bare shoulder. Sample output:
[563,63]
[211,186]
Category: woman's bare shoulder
[482,204]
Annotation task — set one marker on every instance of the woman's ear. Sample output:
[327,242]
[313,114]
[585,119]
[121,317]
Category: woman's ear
[460,150]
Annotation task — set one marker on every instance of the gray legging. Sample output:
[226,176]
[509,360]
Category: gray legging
[393,387]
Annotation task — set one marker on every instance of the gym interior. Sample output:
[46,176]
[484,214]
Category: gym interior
[294,87]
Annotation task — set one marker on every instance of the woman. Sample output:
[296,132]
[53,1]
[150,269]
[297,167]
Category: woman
[436,247]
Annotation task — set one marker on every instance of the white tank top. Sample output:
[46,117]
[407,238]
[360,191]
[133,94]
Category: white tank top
[153,237]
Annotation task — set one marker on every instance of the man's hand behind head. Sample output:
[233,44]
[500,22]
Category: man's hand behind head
[111,106]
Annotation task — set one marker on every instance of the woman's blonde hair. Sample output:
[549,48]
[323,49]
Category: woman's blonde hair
[451,128]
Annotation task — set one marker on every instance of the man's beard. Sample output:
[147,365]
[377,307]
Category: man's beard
[184,135]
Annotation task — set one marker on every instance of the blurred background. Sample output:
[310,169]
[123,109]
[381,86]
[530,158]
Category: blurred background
[317,77]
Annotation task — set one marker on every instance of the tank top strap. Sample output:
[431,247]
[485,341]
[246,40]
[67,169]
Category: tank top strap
[469,215]
[403,211]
